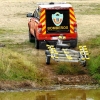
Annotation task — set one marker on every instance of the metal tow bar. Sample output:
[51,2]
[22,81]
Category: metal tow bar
[67,55]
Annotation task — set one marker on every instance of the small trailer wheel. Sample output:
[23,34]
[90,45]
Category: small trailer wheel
[83,63]
[48,60]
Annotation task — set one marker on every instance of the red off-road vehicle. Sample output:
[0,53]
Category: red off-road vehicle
[50,20]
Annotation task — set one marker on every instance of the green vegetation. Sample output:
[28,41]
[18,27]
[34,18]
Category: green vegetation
[69,69]
[94,62]
[17,62]
[14,66]
[94,43]
[93,65]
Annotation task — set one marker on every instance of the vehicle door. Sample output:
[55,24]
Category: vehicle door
[36,20]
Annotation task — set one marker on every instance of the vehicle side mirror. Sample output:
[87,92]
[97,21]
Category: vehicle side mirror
[29,15]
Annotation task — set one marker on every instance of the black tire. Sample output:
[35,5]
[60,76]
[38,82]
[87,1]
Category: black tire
[73,44]
[48,60]
[84,64]
[47,57]
[31,37]
[36,43]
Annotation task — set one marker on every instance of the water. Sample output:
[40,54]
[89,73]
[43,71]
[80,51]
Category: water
[62,94]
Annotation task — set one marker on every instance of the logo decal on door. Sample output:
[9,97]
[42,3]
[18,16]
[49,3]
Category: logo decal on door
[57,18]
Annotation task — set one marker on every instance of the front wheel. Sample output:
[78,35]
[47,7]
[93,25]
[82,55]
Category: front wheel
[47,60]
[48,56]
[31,37]
[36,43]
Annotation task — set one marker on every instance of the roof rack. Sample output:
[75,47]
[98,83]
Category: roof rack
[50,3]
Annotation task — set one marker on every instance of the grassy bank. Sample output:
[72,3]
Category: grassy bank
[22,62]
[15,66]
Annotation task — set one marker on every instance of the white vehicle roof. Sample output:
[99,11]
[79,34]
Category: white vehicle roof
[47,5]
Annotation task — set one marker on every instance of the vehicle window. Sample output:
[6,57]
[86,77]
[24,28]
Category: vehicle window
[36,14]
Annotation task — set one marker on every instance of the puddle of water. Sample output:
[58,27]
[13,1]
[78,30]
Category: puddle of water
[67,94]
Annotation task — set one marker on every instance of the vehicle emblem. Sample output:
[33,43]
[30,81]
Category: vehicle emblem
[57,18]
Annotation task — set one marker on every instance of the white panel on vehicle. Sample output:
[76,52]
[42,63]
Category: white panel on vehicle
[55,5]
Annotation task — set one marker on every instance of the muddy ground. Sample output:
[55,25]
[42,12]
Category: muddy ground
[59,81]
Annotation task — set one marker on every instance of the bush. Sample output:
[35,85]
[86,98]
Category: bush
[69,68]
